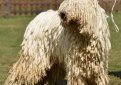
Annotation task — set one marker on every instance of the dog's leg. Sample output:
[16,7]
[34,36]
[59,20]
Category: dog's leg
[74,76]
[56,74]
[101,79]
[73,79]
[29,70]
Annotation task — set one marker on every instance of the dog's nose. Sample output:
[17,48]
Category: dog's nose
[63,16]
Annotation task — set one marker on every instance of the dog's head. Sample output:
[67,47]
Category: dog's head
[77,15]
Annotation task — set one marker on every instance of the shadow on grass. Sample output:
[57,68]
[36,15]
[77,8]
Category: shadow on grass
[115,73]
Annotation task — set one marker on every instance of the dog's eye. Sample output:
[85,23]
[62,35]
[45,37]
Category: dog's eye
[63,16]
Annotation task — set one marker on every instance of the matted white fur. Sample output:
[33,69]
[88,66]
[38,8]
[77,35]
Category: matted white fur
[89,62]
[78,42]
[39,46]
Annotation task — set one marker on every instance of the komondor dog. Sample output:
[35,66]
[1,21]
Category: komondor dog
[71,43]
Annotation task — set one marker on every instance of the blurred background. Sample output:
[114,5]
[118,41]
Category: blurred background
[33,7]
[26,7]
[15,15]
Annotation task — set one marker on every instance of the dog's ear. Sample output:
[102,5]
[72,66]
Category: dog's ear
[63,16]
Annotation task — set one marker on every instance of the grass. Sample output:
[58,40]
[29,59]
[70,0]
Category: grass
[11,34]
[115,53]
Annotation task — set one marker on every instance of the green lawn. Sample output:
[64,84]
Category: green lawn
[11,33]
[115,53]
